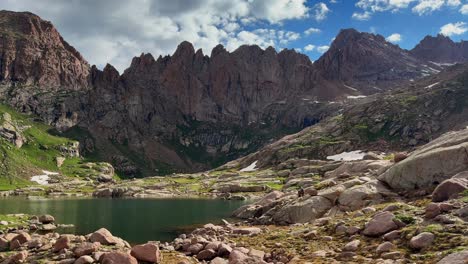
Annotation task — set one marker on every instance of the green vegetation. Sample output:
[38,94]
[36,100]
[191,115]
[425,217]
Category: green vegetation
[39,152]
[407,219]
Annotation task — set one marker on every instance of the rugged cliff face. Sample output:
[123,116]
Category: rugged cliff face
[34,53]
[188,111]
[441,49]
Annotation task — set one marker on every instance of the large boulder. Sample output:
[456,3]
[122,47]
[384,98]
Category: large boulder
[360,167]
[103,236]
[451,187]
[302,210]
[259,207]
[454,258]
[431,164]
[147,252]
[360,196]
[380,224]
[117,258]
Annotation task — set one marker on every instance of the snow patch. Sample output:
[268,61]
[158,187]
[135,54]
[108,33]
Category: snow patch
[356,96]
[251,167]
[432,85]
[349,87]
[348,156]
[44,178]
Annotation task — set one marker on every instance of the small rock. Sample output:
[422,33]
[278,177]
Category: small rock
[397,157]
[84,260]
[422,240]
[206,254]
[352,246]
[384,247]
[86,248]
[61,243]
[391,255]
[219,260]
[247,231]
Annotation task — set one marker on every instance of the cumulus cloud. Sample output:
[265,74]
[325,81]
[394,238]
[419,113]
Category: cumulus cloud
[366,15]
[427,6]
[321,11]
[420,7]
[453,2]
[312,30]
[322,49]
[394,38]
[464,9]
[116,30]
[309,47]
[383,5]
[453,29]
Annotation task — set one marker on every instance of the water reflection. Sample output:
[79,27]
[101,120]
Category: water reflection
[135,220]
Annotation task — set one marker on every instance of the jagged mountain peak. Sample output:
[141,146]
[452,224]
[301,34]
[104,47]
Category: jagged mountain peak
[441,49]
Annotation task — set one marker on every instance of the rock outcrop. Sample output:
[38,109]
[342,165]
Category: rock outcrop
[441,49]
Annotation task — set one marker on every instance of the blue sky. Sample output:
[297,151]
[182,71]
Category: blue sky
[114,31]
[410,25]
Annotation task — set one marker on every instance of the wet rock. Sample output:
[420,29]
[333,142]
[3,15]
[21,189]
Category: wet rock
[46,219]
[422,240]
[146,252]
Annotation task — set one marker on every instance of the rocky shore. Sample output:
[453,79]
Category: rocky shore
[400,208]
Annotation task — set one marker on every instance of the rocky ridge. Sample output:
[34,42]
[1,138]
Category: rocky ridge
[183,111]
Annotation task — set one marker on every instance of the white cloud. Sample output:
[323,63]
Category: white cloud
[464,9]
[309,47]
[262,37]
[322,49]
[427,6]
[454,29]
[420,7]
[383,5]
[114,31]
[312,30]
[453,2]
[366,15]
[333,1]
[320,11]
[394,38]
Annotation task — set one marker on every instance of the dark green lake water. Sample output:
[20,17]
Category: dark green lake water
[135,220]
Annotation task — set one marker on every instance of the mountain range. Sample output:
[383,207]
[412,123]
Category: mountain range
[190,111]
